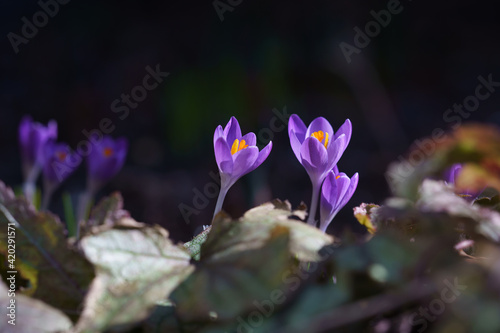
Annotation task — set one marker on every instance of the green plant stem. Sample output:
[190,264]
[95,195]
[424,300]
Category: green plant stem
[220,201]
[314,205]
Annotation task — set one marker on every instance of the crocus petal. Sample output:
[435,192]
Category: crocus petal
[250,139]
[450,175]
[223,156]
[33,138]
[326,194]
[335,151]
[297,133]
[350,190]
[314,159]
[121,147]
[314,152]
[341,185]
[232,131]
[320,124]
[263,154]
[244,161]
[219,132]
[346,129]
[25,129]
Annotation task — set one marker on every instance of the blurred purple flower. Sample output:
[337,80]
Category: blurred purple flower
[60,162]
[105,160]
[318,149]
[236,155]
[337,190]
[450,176]
[33,138]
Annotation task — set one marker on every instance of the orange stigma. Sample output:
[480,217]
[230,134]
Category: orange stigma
[320,136]
[61,156]
[107,152]
[237,146]
[338,176]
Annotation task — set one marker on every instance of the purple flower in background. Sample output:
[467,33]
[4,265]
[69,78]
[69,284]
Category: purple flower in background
[59,162]
[105,160]
[318,148]
[236,155]
[33,138]
[337,190]
[450,176]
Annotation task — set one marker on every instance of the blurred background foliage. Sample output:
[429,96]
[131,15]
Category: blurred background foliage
[263,56]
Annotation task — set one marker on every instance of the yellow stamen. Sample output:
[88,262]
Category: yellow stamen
[107,152]
[320,136]
[243,145]
[237,146]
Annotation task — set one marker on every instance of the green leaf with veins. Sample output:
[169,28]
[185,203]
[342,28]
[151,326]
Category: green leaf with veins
[57,273]
[136,269]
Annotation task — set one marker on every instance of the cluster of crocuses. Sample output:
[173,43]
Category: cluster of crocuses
[317,147]
[41,153]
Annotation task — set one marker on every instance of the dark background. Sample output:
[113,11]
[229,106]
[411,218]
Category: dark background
[264,55]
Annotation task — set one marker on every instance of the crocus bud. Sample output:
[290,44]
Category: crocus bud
[337,190]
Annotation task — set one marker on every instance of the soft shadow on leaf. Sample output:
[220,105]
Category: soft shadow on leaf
[58,274]
[224,286]
[136,268]
[161,320]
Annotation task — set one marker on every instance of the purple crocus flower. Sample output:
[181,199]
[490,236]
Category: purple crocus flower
[105,160]
[337,190]
[33,138]
[318,148]
[236,155]
[450,176]
[59,162]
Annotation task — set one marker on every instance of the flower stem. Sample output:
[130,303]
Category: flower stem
[314,205]
[29,189]
[29,186]
[47,195]
[220,201]
[84,204]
